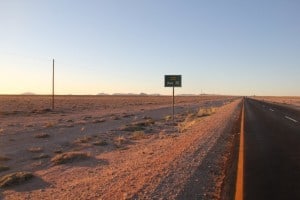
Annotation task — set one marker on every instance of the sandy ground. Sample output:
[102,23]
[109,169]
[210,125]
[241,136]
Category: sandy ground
[136,152]
[294,101]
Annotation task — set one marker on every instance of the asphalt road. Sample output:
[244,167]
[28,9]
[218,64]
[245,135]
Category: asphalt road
[272,151]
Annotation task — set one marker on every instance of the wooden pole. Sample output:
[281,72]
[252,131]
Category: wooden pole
[173,103]
[53,85]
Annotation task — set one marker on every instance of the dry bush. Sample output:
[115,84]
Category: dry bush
[35,149]
[100,143]
[84,139]
[188,122]
[3,168]
[138,135]
[168,118]
[206,111]
[69,157]
[4,158]
[120,140]
[15,178]
[42,135]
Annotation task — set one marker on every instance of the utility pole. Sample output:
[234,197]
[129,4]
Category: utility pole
[173,113]
[53,85]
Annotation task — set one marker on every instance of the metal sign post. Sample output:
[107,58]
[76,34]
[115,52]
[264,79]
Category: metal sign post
[173,81]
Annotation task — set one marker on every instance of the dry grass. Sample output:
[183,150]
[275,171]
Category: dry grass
[15,178]
[191,118]
[188,122]
[206,111]
[138,135]
[35,149]
[42,135]
[69,157]
[3,168]
[120,140]
[168,118]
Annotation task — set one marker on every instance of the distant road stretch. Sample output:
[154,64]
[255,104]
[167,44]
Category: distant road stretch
[272,151]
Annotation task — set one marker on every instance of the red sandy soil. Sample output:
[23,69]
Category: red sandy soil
[159,165]
[294,101]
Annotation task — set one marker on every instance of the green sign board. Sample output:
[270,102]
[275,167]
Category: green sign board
[172,80]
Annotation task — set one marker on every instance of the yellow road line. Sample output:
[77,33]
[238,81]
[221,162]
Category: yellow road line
[239,188]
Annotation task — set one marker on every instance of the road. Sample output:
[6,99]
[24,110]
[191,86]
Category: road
[271,151]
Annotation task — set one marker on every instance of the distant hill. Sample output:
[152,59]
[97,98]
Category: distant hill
[186,95]
[28,93]
[124,94]
[103,94]
[134,94]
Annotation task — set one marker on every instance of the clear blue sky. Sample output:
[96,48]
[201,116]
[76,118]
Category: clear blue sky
[225,47]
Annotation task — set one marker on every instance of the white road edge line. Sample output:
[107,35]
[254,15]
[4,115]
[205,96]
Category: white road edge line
[287,117]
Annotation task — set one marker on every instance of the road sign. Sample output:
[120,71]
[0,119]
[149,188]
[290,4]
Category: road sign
[172,80]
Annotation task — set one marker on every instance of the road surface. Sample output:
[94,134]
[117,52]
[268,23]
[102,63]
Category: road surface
[271,151]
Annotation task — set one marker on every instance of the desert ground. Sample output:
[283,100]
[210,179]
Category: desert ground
[293,101]
[117,147]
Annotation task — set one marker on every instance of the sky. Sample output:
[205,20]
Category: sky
[230,47]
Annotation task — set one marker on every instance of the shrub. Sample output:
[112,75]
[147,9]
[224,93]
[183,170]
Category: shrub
[120,140]
[206,111]
[138,135]
[69,157]
[168,118]
[15,178]
[188,122]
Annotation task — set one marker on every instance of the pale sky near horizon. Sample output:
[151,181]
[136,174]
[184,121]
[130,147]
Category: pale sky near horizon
[127,46]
